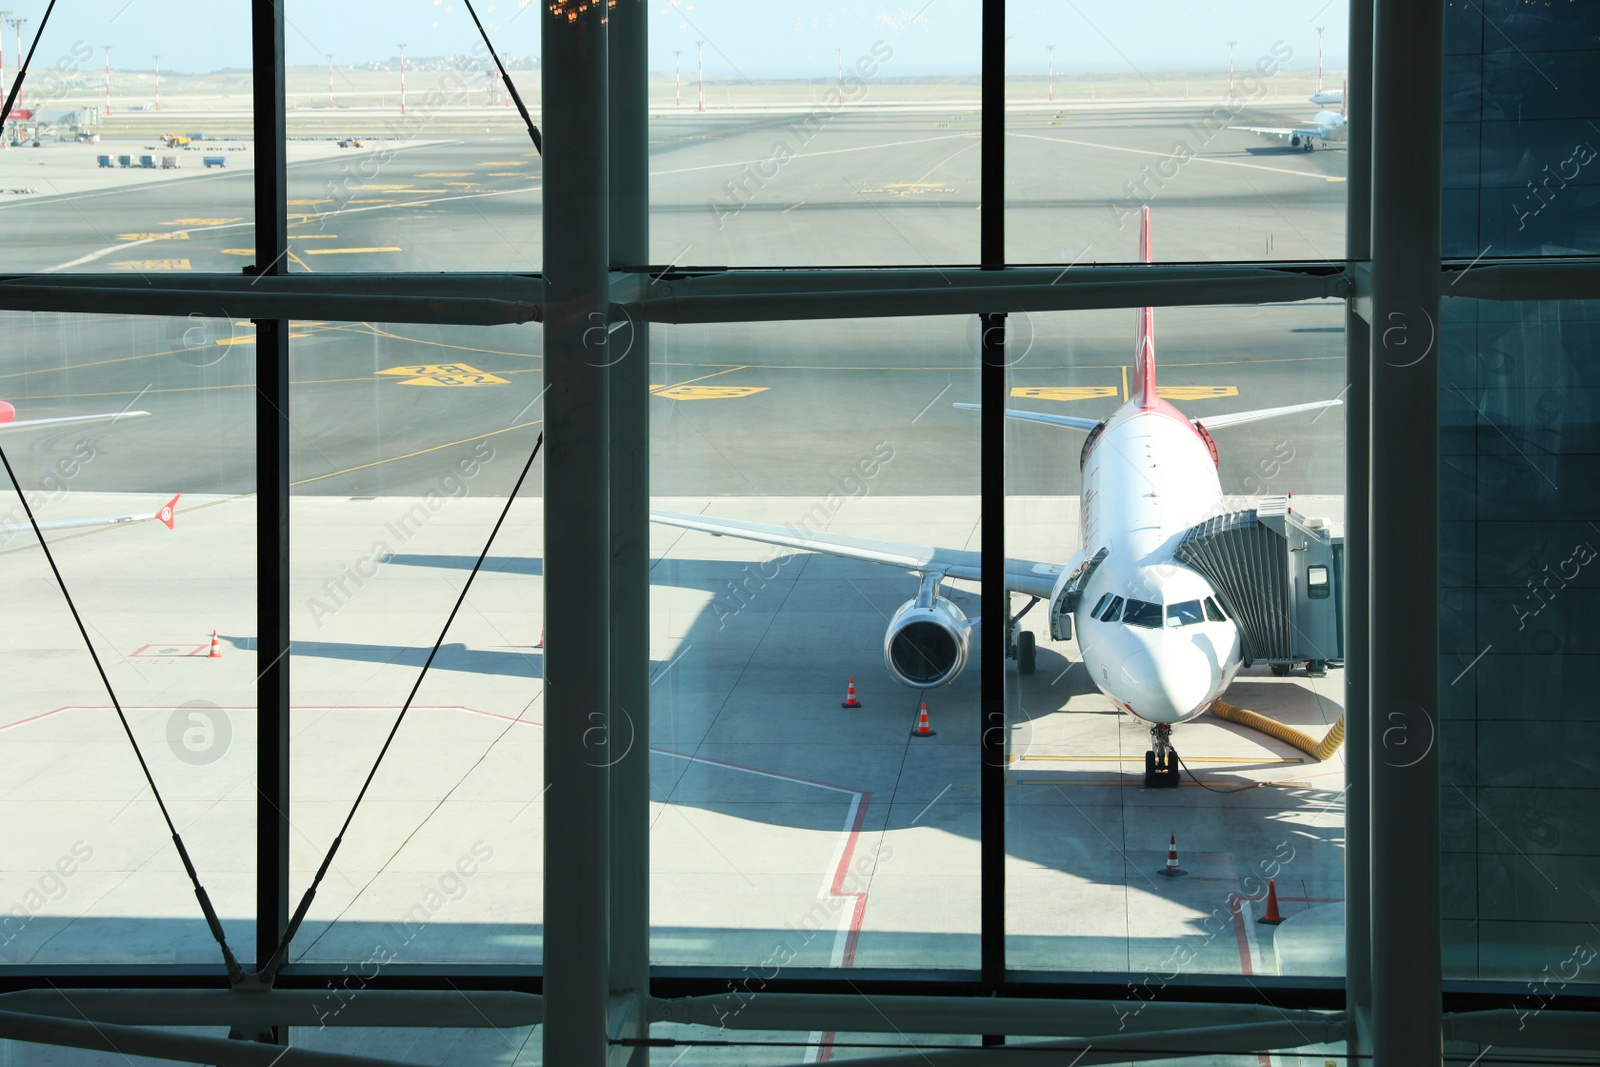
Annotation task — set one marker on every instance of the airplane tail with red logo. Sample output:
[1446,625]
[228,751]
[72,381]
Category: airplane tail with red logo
[1145,354]
[167,512]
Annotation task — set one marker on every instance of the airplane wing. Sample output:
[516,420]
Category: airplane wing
[1022,576]
[1302,132]
[1070,421]
[1239,418]
[166,514]
[65,419]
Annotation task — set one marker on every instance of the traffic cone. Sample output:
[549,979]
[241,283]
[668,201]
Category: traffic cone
[1172,869]
[923,728]
[1272,915]
[216,650]
[850,700]
[541,640]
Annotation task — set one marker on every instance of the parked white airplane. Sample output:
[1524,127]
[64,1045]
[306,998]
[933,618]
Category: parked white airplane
[8,418]
[1153,633]
[1326,126]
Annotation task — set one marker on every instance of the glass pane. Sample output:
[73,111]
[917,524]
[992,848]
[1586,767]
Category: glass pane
[789,824]
[407,441]
[131,146]
[1123,856]
[1519,130]
[803,133]
[405,151]
[1238,143]
[1519,593]
[119,428]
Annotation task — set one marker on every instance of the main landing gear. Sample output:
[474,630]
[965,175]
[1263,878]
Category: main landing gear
[1161,762]
[1023,648]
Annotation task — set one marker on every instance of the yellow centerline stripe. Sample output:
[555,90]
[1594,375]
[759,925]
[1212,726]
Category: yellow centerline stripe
[419,452]
[691,381]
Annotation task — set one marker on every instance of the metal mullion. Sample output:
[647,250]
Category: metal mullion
[629,519]
[272,488]
[994,603]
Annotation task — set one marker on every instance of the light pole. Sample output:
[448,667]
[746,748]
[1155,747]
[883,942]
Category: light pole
[1319,57]
[402,79]
[330,79]
[1050,55]
[108,78]
[1230,68]
[158,81]
[18,24]
[700,59]
[677,78]
[4,15]
[840,52]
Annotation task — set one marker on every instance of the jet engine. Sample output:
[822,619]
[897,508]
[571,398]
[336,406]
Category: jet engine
[926,644]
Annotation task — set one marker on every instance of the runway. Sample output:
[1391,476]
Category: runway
[780,821]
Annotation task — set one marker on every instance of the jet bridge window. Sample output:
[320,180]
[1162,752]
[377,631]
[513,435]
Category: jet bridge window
[1213,612]
[1143,613]
[1113,609]
[1184,613]
[1317,582]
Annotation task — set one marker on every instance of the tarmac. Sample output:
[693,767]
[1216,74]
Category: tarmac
[779,820]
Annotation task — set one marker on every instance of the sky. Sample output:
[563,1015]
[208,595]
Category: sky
[743,38]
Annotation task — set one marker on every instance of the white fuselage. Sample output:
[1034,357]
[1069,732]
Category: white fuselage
[1149,478]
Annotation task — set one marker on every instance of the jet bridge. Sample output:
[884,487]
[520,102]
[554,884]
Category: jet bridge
[1281,578]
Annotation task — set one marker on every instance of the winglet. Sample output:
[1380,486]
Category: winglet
[1145,355]
[1344,101]
[167,514]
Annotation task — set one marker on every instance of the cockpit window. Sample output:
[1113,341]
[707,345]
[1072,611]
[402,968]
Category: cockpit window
[1213,612]
[1112,609]
[1098,604]
[1142,613]
[1184,613]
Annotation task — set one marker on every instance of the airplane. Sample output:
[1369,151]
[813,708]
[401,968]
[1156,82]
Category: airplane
[1326,126]
[1327,97]
[8,416]
[1153,632]
[166,514]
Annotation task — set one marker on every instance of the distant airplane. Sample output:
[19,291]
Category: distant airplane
[8,415]
[166,514]
[1153,631]
[1326,126]
[1327,97]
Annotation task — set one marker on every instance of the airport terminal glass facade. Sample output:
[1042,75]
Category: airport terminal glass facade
[785,717]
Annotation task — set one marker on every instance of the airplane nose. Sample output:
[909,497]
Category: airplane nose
[1170,683]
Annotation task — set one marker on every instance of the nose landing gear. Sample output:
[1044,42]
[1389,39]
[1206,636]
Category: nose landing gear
[1161,762]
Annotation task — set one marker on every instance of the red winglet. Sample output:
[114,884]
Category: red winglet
[1145,355]
[167,514]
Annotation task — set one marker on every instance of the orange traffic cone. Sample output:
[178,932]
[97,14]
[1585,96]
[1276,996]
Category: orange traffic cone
[541,640]
[216,650]
[924,729]
[1172,870]
[1272,915]
[850,700]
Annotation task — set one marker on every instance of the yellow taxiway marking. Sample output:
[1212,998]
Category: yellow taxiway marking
[446,174]
[237,251]
[459,348]
[1124,383]
[307,203]
[252,340]
[1064,392]
[706,392]
[150,264]
[1196,392]
[199,222]
[377,187]
[348,251]
[292,324]
[1136,759]
[180,235]
[1168,155]
[418,452]
[791,207]
[445,374]
[503,163]
[505,174]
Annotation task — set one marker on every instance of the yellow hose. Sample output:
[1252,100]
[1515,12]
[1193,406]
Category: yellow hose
[1319,750]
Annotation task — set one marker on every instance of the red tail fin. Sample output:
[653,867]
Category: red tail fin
[167,514]
[1145,354]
